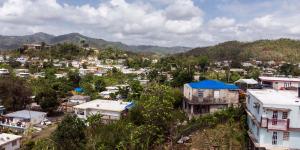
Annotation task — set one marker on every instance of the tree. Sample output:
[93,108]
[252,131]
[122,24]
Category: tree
[69,134]
[74,78]
[48,99]
[13,63]
[181,77]
[100,85]
[14,93]
[158,105]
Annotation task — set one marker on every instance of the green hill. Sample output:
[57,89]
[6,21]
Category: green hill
[278,50]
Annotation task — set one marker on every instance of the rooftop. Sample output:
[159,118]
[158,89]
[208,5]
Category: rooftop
[279,79]
[212,84]
[246,81]
[26,114]
[6,138]
[276,97]
[105,105]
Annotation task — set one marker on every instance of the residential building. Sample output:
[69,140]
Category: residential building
[110,110]
[245,84]
[208,96]
[279,83]
[21,120]
[4,72]
[68,105]
[10,141]
[273,118]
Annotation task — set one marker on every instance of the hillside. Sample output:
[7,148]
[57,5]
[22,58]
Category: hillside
[278,50]
[14,42]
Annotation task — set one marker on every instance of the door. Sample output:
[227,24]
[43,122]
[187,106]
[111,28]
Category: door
[274,117]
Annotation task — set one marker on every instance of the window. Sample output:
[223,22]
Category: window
[287,84]
[217,94]
[284,115]
[286,136]
[14,143]
[275,117]
[200,93]
[252,122]
[80,112]
[274,138]
[257,131]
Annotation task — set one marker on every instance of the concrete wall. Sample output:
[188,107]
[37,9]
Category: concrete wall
[280,84]
[228,95]
[264,136]
[105,113]
[9,146]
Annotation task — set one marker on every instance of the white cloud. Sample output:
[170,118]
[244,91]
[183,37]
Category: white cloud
[156,22]
[221,22]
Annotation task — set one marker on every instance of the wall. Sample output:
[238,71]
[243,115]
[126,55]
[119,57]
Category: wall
[9,146]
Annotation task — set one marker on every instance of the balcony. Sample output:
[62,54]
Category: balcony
[207,100]
[275,124]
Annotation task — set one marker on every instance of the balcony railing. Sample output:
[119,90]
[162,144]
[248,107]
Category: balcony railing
[208,100]
[275,124]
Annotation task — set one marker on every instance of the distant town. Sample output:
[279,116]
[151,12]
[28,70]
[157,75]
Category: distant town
[73,96]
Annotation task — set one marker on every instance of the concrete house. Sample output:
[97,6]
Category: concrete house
[273,119]
[110,110]
[10,141]
[21,120]
[209,96]
[279,83]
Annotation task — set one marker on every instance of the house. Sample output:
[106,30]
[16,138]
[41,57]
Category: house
[22,60]
[73,101]
[79,99]
[10,141]
[245,84]
[4,72]
[272,117]
[21,120]
[208,96]
[23,73]
[108,109]
[279,82]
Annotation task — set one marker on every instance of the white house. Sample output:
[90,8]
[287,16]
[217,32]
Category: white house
[23,73]
[4,72]
[10,141]
[79,99]
[110,110]
[273,118]
[279,82]
[21,120]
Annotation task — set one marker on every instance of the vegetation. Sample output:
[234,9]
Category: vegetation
[266,50]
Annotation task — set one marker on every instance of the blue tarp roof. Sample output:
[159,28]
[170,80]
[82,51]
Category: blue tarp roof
[78,90]
[130,104]
[212,84]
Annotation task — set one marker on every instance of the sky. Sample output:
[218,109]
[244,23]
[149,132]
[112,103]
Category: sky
[189,23]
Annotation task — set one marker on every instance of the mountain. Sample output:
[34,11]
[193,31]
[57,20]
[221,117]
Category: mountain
[14,42]
[278,50]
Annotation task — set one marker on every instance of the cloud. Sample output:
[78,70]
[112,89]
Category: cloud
[155,22]
[111,20]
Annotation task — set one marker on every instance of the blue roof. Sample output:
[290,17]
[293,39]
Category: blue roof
[212,84]
[130,104]
[78,90]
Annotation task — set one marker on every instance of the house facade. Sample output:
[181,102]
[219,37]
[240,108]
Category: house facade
[273,119]
[10,141]
[19,121]
[108,109]
[279,83]
[208,96]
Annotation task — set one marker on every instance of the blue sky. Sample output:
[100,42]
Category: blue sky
[155,22]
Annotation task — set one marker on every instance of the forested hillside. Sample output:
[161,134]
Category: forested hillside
[277,50]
